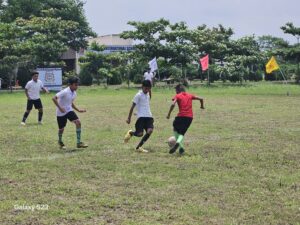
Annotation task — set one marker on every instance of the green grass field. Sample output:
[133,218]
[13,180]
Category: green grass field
[242,161]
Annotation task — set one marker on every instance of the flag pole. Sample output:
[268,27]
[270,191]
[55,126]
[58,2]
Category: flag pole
[284,78]
[208,76]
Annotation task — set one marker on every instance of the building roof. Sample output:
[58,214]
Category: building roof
[111,40]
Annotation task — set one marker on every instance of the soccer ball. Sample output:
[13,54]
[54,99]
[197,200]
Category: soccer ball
[171,141]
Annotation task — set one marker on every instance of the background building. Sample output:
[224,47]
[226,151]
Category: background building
[112,43]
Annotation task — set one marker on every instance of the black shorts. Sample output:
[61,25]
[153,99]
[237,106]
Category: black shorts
[62,120]
[182,124]
[36,103]
[144,123]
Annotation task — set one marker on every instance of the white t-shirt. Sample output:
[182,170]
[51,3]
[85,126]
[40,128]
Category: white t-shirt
[142,102]
[65,100]
[148,76]
[34,88]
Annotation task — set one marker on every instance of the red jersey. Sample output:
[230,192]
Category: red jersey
[185,104]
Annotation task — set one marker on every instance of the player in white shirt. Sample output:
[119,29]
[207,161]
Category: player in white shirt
[32,91]
[64,101]
[148,75]
[145,120]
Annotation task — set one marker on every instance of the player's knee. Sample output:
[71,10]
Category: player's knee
[149,131]
[78,123]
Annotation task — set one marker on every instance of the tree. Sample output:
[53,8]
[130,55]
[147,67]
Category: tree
[179,49]
[148,34]
[65,10]
[292,52]
[244,60]
[270,44]
[109,67]
[34,32]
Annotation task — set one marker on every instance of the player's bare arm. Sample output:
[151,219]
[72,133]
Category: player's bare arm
[78,110]
[45,90]
[130,113]
[171,109]
[201,101]
[54,99]
[26,93]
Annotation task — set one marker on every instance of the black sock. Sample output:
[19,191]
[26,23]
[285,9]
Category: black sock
[25,116]
[40,116]
[144,139]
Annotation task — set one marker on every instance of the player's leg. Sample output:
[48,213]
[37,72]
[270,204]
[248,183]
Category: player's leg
[73,117]
[28,109]
[39,106]
[176,135]
[148,126]
[185,123]
[176,129]
[138,131]
[62,122]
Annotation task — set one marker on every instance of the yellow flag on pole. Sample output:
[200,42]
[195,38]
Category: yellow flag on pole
[272,65]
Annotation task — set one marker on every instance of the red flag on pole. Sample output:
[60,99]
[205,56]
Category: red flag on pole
[204,62]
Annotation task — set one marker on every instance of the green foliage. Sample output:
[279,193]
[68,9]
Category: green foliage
[192,71]
[65,10]
[292,52]
[180,47]
[24,75]
[86,78]
[116,78]
[37,32]
[175,72]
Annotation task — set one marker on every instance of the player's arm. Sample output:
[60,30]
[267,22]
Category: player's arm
[26,93]
[171,108]
[78,110]
[54,99]
[130,113]
[201,101]
[45,90]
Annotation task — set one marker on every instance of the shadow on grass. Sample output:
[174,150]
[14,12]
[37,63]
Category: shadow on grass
[72,150]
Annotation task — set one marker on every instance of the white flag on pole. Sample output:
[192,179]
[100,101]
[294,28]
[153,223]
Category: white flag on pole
[153,65]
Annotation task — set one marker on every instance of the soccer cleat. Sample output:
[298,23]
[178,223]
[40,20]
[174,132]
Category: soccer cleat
[181,151]
[23,123]
[127,136]
[62,145]
[174,148]
[40,123]
[140,149]
[82,145]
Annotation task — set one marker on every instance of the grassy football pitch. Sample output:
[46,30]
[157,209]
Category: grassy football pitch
[242,161]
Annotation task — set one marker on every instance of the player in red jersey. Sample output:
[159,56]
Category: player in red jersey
[184,118]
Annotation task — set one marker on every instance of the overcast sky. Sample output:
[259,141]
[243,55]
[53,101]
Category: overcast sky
[246,17]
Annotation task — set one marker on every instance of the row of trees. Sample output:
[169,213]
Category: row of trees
[178,49]
[36,33]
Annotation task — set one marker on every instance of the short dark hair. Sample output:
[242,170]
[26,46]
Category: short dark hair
[180,88]
[34,73]
[147,83]
[73,80]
